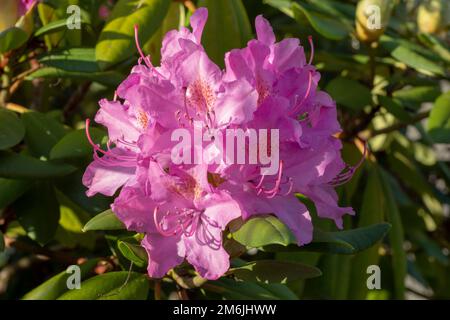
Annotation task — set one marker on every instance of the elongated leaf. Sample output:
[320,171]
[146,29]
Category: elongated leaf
[56,26]
[271,271]
[42,133]
[116,42]
[75,146]
[57,285]
[330,28]
[109,78]
[18,166]
[439,120]
[227,28]
[134,253]
[11,39]
[106,220]
[261,231]
[349,93]
[415,96]
[38,212]
[417,61]
[12,130]
[11,190]
[73,59]
[111,286]
[240,290]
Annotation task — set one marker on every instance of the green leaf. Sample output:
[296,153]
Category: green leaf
[12,130]
[18,166]
[417,61]
[116,42]
[108,78]
[396,238]
[57,285]
[263,271]
[134,253]
[348,241]
[56,26]
[240,290]
[42,133]
[261,231]
[75,146]
[415,96]
[106,220]
[73,59]
[329,27]
[11,190]
[2,242]
[228,27]
[38,212]
[11,39]
[111,286]
[349,93]
[439,120]
[174,20]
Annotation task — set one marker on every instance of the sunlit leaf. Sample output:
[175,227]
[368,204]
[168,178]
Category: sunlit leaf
[111,286]
[106,220]
[439,120]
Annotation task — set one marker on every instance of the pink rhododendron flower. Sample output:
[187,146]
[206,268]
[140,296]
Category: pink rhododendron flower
[183,209]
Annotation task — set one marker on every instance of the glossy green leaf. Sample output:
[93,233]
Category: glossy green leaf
[417,61]
[329,27]
[38,212]
[134,253]
[75,146]
[372,211]
[11,190]
[261,231]
[439,120]
[73,59]
[55,26]
[349,93]
[415,96]
[264,271]
[57,285]
[396,238]
[11,39]
[106,220]
[111,286]
[240,290]
[228,27]
[12,130]
[42,133]
[18,166]
[116,42]
[109,78]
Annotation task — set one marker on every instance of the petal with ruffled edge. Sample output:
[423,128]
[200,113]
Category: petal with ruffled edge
[164,253]
[264,31]
[115,117]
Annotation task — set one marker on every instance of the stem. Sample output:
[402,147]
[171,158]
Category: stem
[187,282]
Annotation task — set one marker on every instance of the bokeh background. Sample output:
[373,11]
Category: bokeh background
[391,86]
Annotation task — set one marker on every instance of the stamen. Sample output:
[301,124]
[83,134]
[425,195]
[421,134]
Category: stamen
[346,176]
[138,46]
[308,91]
[91,142]
[311,44]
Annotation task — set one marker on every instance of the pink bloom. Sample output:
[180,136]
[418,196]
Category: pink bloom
[266,85]
[182,216]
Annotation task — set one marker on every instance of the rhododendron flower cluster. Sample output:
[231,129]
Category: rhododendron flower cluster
[184,209]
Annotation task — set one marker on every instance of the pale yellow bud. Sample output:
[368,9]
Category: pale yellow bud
[372,17]
[9,13]
[429,16]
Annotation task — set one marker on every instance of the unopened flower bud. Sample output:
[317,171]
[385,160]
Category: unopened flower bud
[429,16]
[372,17]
